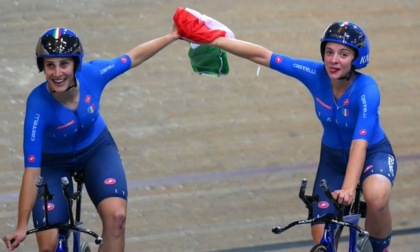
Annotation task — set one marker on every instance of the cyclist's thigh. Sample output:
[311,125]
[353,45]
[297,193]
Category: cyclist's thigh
[57,206]
[104,173]
[380,163]
[332,168]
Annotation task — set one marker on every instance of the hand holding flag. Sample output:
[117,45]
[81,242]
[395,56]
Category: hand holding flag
[198,28]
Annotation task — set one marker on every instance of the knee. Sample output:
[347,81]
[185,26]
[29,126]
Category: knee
[113,213]
[377,192]
[117,218]
[377,206]
[114,224]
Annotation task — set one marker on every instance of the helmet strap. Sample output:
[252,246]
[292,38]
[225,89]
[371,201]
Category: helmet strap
[70,87]
[348,76]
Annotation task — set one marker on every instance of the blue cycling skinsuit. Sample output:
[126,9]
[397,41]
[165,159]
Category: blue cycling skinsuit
[62,141]
[355,115]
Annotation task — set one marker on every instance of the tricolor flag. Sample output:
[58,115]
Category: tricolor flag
[198,27]
[345,112]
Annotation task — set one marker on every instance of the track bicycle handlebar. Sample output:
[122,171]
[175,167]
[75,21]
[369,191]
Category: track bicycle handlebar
[328,193]
[98,239]
[302,188]
[327,218]
[62,226]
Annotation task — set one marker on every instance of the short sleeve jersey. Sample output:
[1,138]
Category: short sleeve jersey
[50,127]
[355,115]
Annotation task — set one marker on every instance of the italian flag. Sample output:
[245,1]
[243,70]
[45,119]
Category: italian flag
[198,27]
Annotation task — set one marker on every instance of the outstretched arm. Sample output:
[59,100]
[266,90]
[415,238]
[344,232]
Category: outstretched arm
[197,28]
[244,49]
[145,51]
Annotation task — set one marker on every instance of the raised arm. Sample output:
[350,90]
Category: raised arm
[145,51]
[197,28]
[244,49]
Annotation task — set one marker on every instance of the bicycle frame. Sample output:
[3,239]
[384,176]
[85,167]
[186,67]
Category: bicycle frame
[74,225]
[333,223]
[332,226]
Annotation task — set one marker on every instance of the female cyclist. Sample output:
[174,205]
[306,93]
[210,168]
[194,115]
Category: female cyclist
[354,146]
[64,133]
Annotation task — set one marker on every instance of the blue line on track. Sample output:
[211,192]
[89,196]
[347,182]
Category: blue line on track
[214,176]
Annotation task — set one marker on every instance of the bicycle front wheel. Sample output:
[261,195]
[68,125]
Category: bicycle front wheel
[85,247]
[319,248]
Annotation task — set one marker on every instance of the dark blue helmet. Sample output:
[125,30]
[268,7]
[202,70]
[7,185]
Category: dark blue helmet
[349,34]
[59,42]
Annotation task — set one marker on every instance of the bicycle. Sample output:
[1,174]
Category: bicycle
[334,224]
[74,225]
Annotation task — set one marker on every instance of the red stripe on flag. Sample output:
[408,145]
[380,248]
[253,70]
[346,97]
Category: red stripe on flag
[193,28]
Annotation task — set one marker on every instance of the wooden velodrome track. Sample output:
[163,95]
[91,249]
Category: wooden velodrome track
[213,164]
